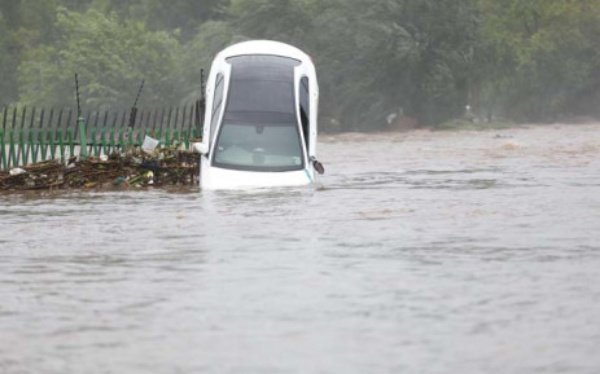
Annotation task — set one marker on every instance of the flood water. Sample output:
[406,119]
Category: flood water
[420,252]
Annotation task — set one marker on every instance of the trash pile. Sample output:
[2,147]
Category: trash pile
[135,167]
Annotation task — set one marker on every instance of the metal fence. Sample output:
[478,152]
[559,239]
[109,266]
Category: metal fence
[29,135]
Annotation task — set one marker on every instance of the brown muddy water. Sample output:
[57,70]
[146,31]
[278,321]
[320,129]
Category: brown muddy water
[449,252]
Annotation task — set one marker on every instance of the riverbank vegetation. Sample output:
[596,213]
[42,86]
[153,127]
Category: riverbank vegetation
[379,61]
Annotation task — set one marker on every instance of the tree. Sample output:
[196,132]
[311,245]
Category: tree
[548,52]
[212,37]
[525,59]
[186,16]
[375,56]
[5,85]
[111,57]
[23,24]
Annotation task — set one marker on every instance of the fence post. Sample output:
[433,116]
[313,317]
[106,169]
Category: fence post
[83,152]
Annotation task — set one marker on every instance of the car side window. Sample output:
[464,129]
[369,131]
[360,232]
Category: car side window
[217,104]
[305,110]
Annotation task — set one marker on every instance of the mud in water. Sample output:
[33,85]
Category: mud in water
[418,252]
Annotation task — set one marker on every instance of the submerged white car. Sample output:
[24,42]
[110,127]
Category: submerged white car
[260,126]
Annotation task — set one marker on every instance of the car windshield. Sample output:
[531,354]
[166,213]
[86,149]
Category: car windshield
[257,147]
[260,131]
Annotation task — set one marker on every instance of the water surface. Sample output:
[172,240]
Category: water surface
[421,252]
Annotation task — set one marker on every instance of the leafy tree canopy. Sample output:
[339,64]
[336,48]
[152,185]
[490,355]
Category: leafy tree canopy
[111,57]
[427,59]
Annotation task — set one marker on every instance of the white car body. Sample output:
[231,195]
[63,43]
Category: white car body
[257,106]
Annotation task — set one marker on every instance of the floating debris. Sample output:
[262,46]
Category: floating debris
[135,167]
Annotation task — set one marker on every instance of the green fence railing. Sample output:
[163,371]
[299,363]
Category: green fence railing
[32,135]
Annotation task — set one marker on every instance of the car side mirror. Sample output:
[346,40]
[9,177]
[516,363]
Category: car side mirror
[201,148]
[319,168]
